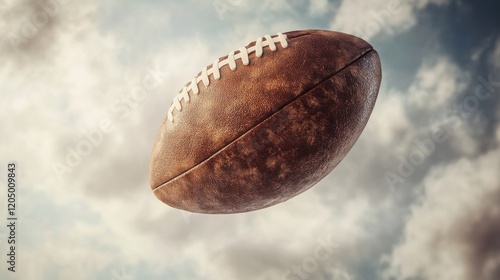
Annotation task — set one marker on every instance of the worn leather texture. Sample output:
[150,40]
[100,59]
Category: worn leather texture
[270,130]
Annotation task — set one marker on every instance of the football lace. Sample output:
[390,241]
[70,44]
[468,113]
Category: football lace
[214,70]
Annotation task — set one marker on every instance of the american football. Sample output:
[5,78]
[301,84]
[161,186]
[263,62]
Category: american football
[265,123]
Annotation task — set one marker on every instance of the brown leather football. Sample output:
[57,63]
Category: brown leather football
[265,123]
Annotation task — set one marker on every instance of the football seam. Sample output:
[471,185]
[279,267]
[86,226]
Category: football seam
[263,120]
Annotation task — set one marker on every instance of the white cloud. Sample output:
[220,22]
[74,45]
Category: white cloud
[58,83]
[319,7]
[443,236]
[367,19]
[436,99]
[388,119]
[399,117]
[437,83]
[287,235]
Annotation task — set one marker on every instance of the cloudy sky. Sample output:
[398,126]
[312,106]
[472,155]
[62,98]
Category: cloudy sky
[417,198]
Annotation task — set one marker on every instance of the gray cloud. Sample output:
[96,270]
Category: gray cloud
[479,233]
[32,29]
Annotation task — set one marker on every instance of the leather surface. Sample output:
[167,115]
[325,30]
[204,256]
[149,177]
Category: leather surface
[266,132]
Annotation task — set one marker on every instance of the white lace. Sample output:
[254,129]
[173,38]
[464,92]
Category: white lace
[216,66]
